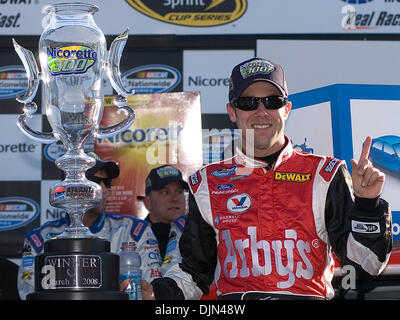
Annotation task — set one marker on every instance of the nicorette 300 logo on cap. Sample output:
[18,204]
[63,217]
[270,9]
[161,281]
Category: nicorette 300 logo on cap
[153,78]
[16,212]
[193,13]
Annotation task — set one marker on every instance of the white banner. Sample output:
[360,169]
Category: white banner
[20,157]
[311,64]
[188,17]
[304,136]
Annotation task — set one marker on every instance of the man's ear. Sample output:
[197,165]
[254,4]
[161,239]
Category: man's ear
[288,108]
[146,202]
[231,112]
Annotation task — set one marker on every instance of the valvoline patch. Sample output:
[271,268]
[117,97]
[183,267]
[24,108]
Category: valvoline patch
[239,203]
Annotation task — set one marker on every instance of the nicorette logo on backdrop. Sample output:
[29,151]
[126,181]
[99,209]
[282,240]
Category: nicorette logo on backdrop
[16,212]
[153,78]
[192,13]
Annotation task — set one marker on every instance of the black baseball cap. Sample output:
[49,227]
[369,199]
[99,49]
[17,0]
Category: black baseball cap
[253,70]
[159,177]
[110,167]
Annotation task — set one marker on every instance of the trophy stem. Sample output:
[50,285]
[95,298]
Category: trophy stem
[76,229]
[74,161]
[75,194]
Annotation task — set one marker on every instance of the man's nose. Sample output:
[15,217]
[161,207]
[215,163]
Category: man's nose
[261,109]
[174,196]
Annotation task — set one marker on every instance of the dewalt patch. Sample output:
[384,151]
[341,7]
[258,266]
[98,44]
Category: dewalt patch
[292,176]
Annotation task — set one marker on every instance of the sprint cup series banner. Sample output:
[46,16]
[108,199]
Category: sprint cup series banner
[187,17]
[167,130]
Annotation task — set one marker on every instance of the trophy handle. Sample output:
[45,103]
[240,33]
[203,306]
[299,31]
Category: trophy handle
[32,72]
[120,100]
[114,58]
[30,107]
[117,128]
[45,138]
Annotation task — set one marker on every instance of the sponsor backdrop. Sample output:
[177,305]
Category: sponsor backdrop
[208,72]
[188,17]
[167,129]
[191,46]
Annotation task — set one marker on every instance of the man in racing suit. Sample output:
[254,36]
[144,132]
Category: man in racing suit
[115,228]
[166,203]
[264,224]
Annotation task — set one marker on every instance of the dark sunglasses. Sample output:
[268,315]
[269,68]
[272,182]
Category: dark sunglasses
[98,180]
[251,103]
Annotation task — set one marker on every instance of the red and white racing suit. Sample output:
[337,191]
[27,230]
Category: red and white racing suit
[252,228]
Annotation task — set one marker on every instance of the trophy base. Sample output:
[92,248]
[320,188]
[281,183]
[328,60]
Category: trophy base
[76,269]
[78,295]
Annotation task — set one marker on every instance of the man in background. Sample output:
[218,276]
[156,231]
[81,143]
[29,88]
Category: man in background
[166,202]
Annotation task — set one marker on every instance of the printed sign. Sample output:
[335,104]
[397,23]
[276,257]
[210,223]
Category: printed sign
[167,130]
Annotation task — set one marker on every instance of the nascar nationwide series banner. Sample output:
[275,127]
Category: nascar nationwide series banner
[167,130]
[188,17]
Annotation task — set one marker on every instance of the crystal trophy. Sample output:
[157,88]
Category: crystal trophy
[74,59]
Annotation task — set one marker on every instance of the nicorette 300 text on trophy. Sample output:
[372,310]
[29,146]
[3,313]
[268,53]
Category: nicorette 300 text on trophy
[73,57]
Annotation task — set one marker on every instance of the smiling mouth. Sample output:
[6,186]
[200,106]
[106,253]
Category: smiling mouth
[261,126]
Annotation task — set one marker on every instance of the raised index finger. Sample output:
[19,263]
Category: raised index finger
[366,148]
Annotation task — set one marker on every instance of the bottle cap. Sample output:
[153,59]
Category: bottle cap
[130,244]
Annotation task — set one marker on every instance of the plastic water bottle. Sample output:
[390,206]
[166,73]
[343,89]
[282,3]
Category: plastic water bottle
[130,276]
